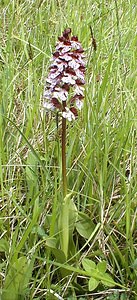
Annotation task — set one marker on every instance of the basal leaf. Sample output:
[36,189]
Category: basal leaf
[84,225]
[14,280]
[72,215]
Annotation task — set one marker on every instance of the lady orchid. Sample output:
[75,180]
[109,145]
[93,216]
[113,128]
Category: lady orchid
[64,89]
[64,92]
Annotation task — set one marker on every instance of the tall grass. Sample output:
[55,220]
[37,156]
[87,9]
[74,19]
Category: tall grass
[101,152]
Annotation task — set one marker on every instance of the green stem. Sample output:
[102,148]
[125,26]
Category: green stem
[64,176]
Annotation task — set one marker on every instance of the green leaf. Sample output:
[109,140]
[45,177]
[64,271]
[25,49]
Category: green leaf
[4,246]
[88,265]
[92,284]
[28,273]
[51,242]
[134,265]
[72,216]
[102,266]
[32,180]
[31,168]
[40,231]
[84,225]
[58,253]
[72,222]
[14,280]
[66,222]
[107,280]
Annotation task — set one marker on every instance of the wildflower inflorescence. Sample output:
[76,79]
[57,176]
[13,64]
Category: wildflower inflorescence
[64,89]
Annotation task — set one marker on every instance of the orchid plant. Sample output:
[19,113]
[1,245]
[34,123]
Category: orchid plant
[64,90]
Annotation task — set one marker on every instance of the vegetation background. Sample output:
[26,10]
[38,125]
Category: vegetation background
[101,153]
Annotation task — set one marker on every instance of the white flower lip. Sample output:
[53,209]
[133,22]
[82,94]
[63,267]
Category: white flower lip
[54,75]
[66,57]
[79,90]
[61,94]
[59,45]
[81,62]
[66,49]
[73,64]
[60,67]
[79,104]
[75,45]
[80,75]
[47,94]
[68,114]
[48,106]
[68,79]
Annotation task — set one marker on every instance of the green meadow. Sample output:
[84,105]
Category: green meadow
[84,246]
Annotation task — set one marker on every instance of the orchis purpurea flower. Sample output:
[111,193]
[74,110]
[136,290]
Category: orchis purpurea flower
[64,89]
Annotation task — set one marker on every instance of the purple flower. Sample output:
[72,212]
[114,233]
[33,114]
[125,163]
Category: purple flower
[64,89]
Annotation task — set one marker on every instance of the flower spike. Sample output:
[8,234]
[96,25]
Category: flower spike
[66,77]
